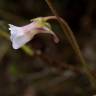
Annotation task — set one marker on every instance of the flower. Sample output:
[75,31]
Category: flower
[22,35]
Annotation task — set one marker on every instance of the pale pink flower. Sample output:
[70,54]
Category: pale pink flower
[22,35]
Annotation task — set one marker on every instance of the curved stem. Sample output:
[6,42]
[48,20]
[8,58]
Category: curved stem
[70,36]
[65,25]
[72,40]
[65,28]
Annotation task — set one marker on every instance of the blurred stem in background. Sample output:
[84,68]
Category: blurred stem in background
[72,40]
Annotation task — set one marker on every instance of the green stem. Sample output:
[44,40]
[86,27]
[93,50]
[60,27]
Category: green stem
[72,40]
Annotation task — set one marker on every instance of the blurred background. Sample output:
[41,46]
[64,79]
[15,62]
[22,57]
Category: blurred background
[43,68]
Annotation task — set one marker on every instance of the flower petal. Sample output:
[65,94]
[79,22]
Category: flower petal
[18,42]
[18,36]
[17,31]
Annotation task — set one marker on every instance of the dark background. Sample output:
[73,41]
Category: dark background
[55,69]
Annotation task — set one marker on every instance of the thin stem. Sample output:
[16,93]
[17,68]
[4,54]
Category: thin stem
[69,34]
[65,28]
[72,40]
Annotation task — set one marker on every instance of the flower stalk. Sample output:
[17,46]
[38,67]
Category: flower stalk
[72,40]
